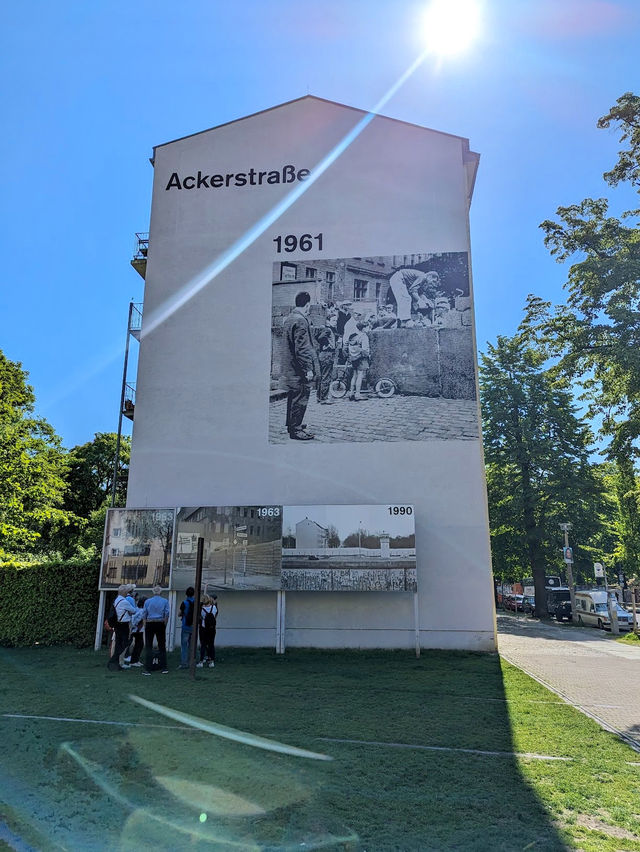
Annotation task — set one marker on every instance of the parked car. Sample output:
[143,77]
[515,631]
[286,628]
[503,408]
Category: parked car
[592,609]
[563,610]
[557,599]
[514,602]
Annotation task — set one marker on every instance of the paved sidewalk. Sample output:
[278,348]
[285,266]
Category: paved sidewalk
[400,418]
[598,675]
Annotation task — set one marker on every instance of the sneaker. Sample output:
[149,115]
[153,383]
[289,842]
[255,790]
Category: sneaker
[183,667]
[138,665]
[147,674]
[199,665]
[212,665]
[125,666]
[127,659]
[165,671]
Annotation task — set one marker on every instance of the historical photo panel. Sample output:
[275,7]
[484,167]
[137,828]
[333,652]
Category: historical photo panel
[242,547]
[372,349]
[137,548]
[349,548]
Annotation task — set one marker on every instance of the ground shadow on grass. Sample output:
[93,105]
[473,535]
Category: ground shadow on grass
[422,755]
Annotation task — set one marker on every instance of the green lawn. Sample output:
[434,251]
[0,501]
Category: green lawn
[393,725]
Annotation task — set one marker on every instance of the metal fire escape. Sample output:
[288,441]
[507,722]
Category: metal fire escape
[134,328]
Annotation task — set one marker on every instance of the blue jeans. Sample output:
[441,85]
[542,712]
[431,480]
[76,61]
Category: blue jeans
[185,645]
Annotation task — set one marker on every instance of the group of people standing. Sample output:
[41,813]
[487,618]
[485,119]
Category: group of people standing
[142,623]
[206,626]
[311,353]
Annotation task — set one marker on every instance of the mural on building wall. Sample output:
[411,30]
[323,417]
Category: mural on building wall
[137,548]
[242,547]
[348,548]
[372,349]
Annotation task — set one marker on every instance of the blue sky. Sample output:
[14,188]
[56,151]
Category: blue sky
[90,88]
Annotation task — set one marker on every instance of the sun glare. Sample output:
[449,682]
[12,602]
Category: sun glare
[450,26]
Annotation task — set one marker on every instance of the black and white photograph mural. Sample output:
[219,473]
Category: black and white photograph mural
[372,349]
[137,548]
[349,548]
[242,547]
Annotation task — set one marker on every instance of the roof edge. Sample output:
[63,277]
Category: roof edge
[464,139]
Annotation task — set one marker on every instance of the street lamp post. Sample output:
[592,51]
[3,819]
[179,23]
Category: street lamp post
[568,561]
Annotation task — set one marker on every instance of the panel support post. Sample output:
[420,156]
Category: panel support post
[278,610]
[280,622]
[171,638]
[100,623]
[196,610]
[416,622]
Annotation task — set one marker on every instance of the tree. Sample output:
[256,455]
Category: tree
[32,465]
[362,538]
[597,334]
[90,475]
[626,518]
[333,536]
[598,331]
[537,461]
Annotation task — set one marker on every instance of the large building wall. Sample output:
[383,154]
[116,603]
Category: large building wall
[201,431]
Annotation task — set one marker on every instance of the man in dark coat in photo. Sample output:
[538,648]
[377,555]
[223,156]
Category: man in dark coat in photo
[299,365]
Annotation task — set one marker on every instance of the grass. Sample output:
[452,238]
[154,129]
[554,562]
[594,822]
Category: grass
[86,786]
[629,638]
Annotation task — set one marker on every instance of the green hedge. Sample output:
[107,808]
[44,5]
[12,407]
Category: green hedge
[48,603]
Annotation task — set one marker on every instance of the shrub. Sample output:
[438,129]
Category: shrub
[52,603]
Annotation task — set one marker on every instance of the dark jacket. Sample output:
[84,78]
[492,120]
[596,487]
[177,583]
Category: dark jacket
[299,355]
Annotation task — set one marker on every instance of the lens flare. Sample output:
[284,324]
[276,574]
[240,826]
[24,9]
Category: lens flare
[450,26]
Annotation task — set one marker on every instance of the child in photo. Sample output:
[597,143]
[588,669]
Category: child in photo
[358,352]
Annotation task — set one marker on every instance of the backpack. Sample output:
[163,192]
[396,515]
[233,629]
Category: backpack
[112,617]
[209,620]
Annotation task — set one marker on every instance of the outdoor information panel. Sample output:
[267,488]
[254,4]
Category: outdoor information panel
[263,548]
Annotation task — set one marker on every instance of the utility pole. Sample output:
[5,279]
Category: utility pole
[568,561]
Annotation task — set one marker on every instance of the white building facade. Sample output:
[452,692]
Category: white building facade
[314,196]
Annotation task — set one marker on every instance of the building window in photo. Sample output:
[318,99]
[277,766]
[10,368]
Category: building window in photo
[310,272]
[330,278]
[360,289]
[288,272]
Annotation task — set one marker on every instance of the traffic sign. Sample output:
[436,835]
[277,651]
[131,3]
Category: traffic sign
[241,527]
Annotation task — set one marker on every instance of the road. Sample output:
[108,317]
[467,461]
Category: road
[599,676]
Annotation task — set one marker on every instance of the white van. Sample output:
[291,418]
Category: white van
[592,610]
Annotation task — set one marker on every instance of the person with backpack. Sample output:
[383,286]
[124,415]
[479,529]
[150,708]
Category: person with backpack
[137,634]
[186,612]
[119,618]
[208,613]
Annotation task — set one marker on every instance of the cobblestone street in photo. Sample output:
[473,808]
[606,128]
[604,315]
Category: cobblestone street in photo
[400,418]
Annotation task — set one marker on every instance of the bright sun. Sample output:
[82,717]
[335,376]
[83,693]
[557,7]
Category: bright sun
[449,26]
